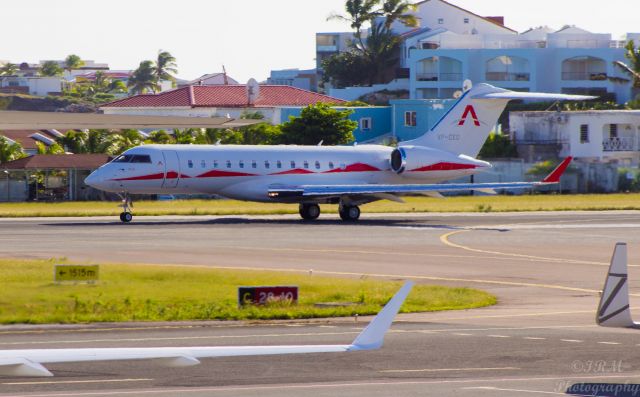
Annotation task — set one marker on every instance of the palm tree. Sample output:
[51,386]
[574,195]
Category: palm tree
[382,52]
[51,149]
[97,141]
[9,69]
[73,62]
[359,12]
[166,67]
[398,10]
[161,137]
[10,151]
[143,78]
[125,139]
[74,141]
[633,68]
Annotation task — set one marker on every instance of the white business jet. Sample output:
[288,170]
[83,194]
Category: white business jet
[29,362]
[310,175]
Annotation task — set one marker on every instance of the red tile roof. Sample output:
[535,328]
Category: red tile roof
[225,96]
[57,161]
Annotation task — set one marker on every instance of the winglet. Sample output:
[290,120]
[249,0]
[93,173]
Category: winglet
[554,176]
[372,336]
[613,310]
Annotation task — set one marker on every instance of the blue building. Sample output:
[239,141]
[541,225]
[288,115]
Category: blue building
[404,119]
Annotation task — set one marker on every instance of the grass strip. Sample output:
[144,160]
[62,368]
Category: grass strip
[171,293]
[500,203]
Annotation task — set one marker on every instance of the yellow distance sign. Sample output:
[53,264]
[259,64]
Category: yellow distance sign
[76,273]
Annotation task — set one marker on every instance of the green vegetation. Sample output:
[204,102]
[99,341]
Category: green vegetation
[319,122]
[373,59]
[500,203]
[498,145]
[171,293]
[10,151]
[50,69]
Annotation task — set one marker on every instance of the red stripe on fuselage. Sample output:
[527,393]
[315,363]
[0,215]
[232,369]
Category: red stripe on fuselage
[142,177]
[222,174]
[444,166]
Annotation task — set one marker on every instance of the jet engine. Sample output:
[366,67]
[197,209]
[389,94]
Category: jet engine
[414,161]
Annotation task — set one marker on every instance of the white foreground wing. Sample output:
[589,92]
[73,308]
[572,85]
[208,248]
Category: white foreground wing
[378,189]
[29,362]
[613,309]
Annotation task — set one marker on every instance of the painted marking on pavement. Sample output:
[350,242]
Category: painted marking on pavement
[513,390]
[58,382]
[498,336]
[533,338]
[609,343]
[571,340]
[448,369]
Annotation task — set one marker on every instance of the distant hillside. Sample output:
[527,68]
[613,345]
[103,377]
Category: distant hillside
[43,104]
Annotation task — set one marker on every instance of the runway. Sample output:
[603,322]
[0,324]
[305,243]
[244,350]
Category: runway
[545,268]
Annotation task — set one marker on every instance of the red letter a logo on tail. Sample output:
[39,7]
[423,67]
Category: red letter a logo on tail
[469,110]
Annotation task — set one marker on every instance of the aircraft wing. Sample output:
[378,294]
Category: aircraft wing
[380,190]
[30,362]
[17,120]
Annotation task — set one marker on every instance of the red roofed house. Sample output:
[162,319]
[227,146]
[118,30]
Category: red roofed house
[218,100]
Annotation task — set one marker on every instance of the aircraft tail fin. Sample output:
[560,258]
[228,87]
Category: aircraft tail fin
[613,309]
[372,336]
[467,124]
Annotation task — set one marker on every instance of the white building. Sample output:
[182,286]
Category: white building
[32,85]
[596,135]
[453,44]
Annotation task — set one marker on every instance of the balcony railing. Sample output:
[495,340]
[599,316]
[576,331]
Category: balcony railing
[439,76]
[505,76]
[597,76]
[619,144]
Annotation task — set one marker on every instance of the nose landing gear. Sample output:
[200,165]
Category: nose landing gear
[126,215]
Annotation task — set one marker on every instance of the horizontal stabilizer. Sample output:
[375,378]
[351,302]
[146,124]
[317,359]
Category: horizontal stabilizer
[372,336]
[613,310]
[534,96]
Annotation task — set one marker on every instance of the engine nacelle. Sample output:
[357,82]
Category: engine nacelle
[422,162]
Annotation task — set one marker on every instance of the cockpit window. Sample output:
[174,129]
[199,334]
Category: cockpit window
[133,158]
[125,158]
[141,158]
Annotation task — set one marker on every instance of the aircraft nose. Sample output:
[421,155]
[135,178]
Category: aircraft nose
[94,180]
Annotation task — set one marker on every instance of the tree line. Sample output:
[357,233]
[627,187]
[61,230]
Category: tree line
[319,123]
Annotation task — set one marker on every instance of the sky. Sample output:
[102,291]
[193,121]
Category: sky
[248,37]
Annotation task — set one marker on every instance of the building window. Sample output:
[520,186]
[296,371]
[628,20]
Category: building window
[228,163]
[440,21]
[203,164]
[317,165]
[190,163]
[365,123]
[266,164]
[241,164]
[584,133]
[293,164]
[613,130]
[254,164]
[279,164]
[410,119]
[466,20]
[306,164]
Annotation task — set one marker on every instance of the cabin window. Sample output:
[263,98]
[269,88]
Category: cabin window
[228,163]
[141,158]
[317,165]
[190,164]
[306,164]
[215,163]
[584,133]
[203,164]
[330,165]
[279,164]
[241,164]
[266,164]
[293,164]
[254,164]
[440,21]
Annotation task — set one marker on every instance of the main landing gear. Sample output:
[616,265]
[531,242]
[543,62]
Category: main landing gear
[309,212]
[127,205]
[349,213]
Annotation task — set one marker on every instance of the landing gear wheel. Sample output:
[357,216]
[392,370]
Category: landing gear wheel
[127,204]
[349,213]
[309,212]
[126,217]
